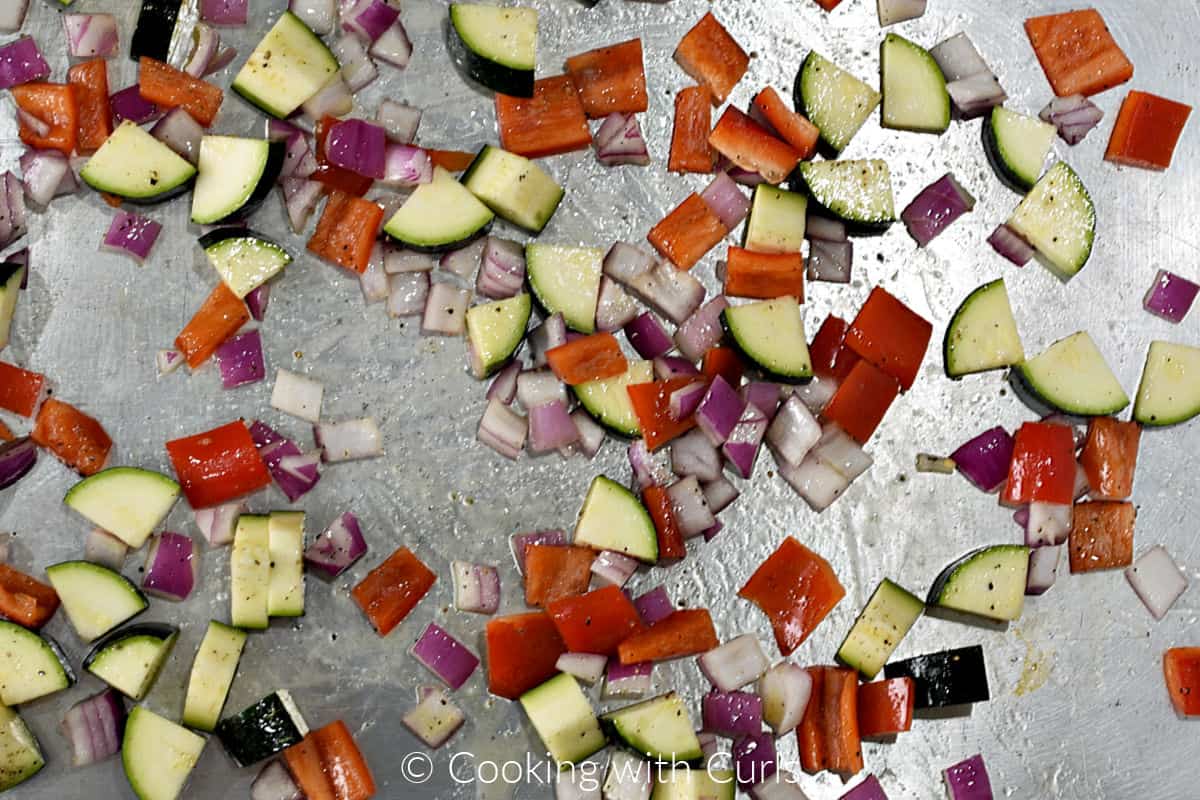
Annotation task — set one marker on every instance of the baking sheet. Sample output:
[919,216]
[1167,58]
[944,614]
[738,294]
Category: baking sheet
[1078,710]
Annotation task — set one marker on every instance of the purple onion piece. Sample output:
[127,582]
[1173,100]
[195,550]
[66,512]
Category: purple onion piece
[1011,245]
[17,458]
[335,550]
[21,62]
[968,780]
[128,105]
[445,656]
[241,360]
[935,208]
[984,459]
[726,200]
[1170,296]
[654,605]
[134,235]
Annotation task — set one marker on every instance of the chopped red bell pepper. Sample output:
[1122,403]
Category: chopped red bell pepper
[1077,52]
[393,589]
[596,622]
[54,104]
[610,79]
[522,652]
[1147,130]
[828,735]
[333,177]
[829,5]
[327,765]
[793,128]
[222,313]
[891,336]
[1101,535]
[94,115]
[24,600]
[451,160]
[1181,670]
[827,344]
[763,276]
[688,232]
[752,147]
[549,123]
[1110,457]
[723,362]
[683,633]
[662,511]
[886,707]
[168,87]
[690,150]
[20,389]
[587,358]
[76,439]
[861,400]
[218,466]
[345,234]
[652,405]
[553,572]
[1043,465]
[714,58]
[796,589]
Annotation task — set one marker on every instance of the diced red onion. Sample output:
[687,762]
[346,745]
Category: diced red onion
[785,690]
[538,387]
[274,448]
[224,12]
[1170,296]
[407,293]
[101,547]
[373,281]
[647,336]
[892,12]
[178,131]
[551,427]
[968,780]
[587,667]
[869,789]
[719,411]
[841,452]
[689,506]
[358,69]
[476,587]
[222,59]
[335,550]
[519,541]
[1049,524]
[984,460]
[935,208]
[12,212]
[300,198]
[694,455]
[614,308]
[668,367]
[12,15]
[319,15]
[976,95]
[217,523]
[504,386]
[401,259]
[1021,517]
[958,58]
[763,395]
[654,605]
[369,18]
[754,759]
[393,47]
[257,300]
[42,173]
[673,293]
[357,146]
[1157,580]
[21,62]
[619,141]
[701,331]
[135,235]
[445,656]
[1073,117]
[1043,568]
[732,714]
[241,360]
[726,200]
[708,744]
[814,479]
[274,782]
[628,680]
[1011,245]
[172,564]
[624,262]
[550,334]
[832,262]
[742,444]
[711,532]
[780,786]
[333,100]
[719,493]
[206,43]
[502,273]
[349,440]
[591,434]
[406,166]
[684,401]
[128,104]
[824,229]
[734,664]
[502,429]
[399,120]
[613,569]
[91,35]
[649,469]
[94,727]
[435,718]
[464,261]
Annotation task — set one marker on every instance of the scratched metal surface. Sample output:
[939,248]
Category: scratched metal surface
[1078,708]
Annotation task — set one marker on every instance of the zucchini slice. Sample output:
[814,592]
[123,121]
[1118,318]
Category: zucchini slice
[20,755]
[31,666]
[213,671]
[128,502]
[514,187]
[285,542]
[158,755]
[566,279]
[884,622]
[235,175]
[777,220]
[982,334]
[1073,377]
[1169,392]
[130,659]
[134,165]
[834,100]
[270,726]
[858,192]
[289,65]
[989,582]
[771,335]
[496,45]
[96,598]
[914,88]
[613,518]
[250,572]
[244,259]
[1017,146]
[1058,219]
[564,719]
[439,215]
[658,729]
[608,402]
[495,331]
[947,678]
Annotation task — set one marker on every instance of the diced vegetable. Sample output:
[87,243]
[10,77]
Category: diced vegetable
[792,127]
[55,105]
[1109,457]
[1170,296]
[829,735]
[968,780]
[390,591]
[764,275]
[610,79]
[550,122]
[885,707]
[93,115]
[445,656]
[690,150]
[890,335]
[328,764]
[984,460]
[25,600]
[522,652]
[687,233]
[1147,129]
[168,87]
[346,232]
[476,587]
[218,466]
[1043,465]
[734,664]
[1157,580]
[750,146]
[1077,52]
[218,318]
[75,438]
[1181,669]
[435,718]
[553,572]
[1101,535]
[796,588]
[712,56]
[935,208]
[596,622]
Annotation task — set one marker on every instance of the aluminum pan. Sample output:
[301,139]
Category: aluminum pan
[1078,709]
